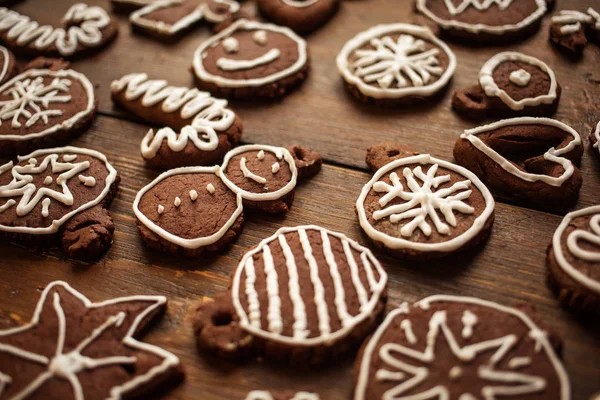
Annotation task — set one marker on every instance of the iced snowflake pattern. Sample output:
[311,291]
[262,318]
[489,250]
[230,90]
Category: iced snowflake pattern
[421,201]
[401,61]
[480,5]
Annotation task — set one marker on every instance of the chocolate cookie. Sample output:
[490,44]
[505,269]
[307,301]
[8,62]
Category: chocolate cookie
[73,348]
[258,177]
[59,194]
[571,29]
[303,296]
[595,139]
[170,19]
[251,60]
[574,259]
[396,63]
[451,347]
[208,129]
[126,6]
[44,107]
[287,395]
[485,21]
[8,64]
[86,29]
[303,16]
[510,84]
[531,159]
[420,207]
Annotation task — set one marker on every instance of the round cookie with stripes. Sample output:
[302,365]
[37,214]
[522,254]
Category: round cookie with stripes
[303,296]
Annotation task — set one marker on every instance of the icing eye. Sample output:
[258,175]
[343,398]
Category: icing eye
[260,37]
[520,77]
[231,45]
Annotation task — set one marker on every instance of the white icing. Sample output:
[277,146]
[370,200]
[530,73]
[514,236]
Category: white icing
[275,168]
[210,188]
[596,16]
[5,64]
[569,29]
[245,25]
[406,326]
[393,64]
[572,21]
[249,174]
[228,64]
[161,209]
[45,207]
[260,37]
[455,373]
[491,88]
[552,154]
[274,312]
[264,395]
[480,5]
[194,194]
[261,155]
[457,242]
[299,3]
[67,365]
[31,100]
[231,45]
[70,157]
[88,181]
[177,202]
[520,77]
[483,28]
[519,362]
[203,137]
[48,180]
[299,309]
[597,136]
[469,320]
[85,29]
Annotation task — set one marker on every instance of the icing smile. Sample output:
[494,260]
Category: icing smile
[228,64]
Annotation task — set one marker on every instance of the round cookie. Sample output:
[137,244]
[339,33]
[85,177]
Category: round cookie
[8,65]
[532,159]
[452,347]
[571,29]
[249,60]
[395,64]
[574,259]
[285,395]
[61,193]
[421,207]
[510,84]
[485,21]
[302,16]
[303,296]
[595,139]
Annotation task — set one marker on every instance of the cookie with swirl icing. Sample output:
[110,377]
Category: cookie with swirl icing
[8,64]
[302,16]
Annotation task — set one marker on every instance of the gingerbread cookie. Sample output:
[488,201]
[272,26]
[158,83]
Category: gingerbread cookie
[86,29]
[303,16]
[303,296]
[208,129]
[287,395]
[251,60]
[76,349]
[421,207]
[397,63]
[531,159]
[485,21]
[595,139]
[59,194]
[170,19]
[451,347]
[571,29]
[8,64]
[510,83]
[255,176]
[574,259]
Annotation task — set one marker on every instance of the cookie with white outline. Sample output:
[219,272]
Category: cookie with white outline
[485,21]
[452,347]
[304,296]
[251,59]
[573,259]
[258,177]
[285,395]
[86,30]
[302,16]
[535,160]
[510,84]
[420,207]
[198,129]
[8,64]
[571,30]
[71,345]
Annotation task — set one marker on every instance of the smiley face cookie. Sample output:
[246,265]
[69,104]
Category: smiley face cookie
[251,59]
[305,295]
[303,16]
[397,63]
[572,29]
[8,65]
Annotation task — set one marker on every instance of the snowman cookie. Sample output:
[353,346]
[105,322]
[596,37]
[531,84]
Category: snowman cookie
[8,65]
[302,16]
[571,30]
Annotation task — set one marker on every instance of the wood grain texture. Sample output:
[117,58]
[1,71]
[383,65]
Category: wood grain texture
[509,269]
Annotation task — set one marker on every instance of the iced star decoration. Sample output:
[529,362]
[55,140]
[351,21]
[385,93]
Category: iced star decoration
[421,201]
[480,5]
[391,62]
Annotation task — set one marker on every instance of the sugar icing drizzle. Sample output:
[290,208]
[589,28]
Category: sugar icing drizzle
[572,21]
[597,136]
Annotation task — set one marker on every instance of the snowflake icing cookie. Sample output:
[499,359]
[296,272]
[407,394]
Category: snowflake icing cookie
[251,59]
[451,347]
[510,83]
[421,207]
[8,65]
[303,16]
[286,395]
[395,63]
[532,159]
[304,293]
[72,344]
[86,29]
[207,128]
[572,29]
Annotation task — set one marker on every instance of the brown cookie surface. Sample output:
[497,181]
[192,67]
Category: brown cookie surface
[302,16]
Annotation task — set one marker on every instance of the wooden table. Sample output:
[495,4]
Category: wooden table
[510,269]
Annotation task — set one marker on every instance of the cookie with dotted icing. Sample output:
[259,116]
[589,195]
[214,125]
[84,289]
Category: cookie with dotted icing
[574,259]
[8,65]
[86,29]
[570,29]
[534,160]
[286,395]
[421,207]
[304,296]
[251,59]
[302,16]
[595,139]
[72,344]
[510,84]
[396,63]
[256,177]
[199,128]
[59,194]
[452,347]
[485,21]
